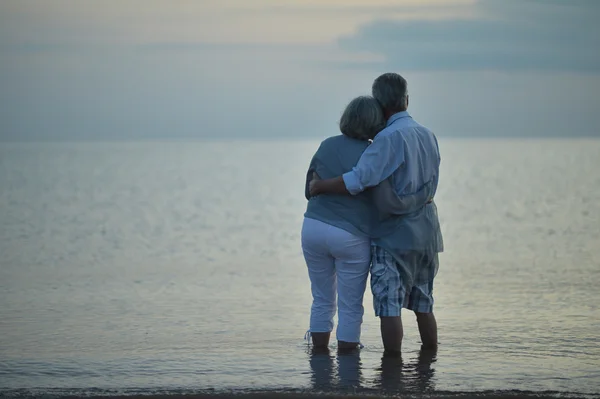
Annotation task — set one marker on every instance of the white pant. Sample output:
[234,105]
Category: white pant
[336,258]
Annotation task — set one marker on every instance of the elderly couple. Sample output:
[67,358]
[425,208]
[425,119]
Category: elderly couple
[371,208]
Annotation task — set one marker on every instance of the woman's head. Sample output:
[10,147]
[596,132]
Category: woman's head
[362,119]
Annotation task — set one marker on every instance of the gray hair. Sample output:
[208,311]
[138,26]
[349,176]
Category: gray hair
[391,91]
[362,119]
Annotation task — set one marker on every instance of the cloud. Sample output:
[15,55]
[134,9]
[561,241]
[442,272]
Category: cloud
[73,71]
[507,35]
[423,8]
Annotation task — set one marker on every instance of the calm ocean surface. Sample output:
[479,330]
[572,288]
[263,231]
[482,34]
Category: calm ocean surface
[176,267]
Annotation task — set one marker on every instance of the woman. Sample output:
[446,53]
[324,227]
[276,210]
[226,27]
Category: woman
[337,229]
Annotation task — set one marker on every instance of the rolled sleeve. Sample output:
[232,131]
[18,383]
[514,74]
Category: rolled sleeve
[352,182]
[376,164]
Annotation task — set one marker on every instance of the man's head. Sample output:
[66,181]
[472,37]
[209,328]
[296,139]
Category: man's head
[362,119]
[391,92]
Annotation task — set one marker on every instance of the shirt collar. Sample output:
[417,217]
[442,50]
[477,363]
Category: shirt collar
[396,116]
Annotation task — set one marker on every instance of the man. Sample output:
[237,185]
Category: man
[405,254]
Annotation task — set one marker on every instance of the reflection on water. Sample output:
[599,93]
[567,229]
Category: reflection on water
[349,370]
[416,375]
[153,265]
[339,371]
[322,370]
[343,372]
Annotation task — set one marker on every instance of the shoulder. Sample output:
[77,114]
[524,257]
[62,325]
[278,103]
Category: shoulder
[422,131]
[342,142]
[412,125]
[392,135]
[388,132]
[401,129]
[329,141]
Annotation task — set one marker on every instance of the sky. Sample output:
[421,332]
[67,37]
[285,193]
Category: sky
[262,69]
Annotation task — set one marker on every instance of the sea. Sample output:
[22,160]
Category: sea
[174,267]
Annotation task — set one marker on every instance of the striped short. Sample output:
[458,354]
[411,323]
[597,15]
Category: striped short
[390,294]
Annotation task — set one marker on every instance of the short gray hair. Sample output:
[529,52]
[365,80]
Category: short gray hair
[391,91]
[362,119]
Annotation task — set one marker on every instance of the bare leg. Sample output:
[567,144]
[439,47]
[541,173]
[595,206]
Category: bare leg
[320,339]
[427,329]
[392,333]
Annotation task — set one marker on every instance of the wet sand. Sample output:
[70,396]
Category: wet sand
[309,395]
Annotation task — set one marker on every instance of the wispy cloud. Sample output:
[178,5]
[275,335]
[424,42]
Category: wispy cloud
[72,24]
[239,68]
[508,35]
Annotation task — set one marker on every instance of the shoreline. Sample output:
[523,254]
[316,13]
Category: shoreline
[177,394]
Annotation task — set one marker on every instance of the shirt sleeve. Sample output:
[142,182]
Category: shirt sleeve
[315,166]
[437,147]
[384,156]
[311,169]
